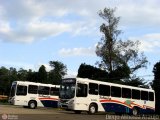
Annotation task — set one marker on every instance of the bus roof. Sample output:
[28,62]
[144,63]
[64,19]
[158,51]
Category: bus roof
[86,80]
[34,83]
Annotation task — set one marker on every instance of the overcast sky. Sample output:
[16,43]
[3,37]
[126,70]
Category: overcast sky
[34,32]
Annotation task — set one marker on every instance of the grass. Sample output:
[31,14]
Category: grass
[4,102]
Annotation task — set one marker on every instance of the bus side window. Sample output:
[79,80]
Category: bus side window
[93,88]
[144,95]
[21,90]
[81,90]
[32,89]
[43,90]
[126,93]
[115,91]
[135,94]
[104,90]
[54,91]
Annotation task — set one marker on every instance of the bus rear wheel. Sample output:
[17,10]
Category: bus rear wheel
[134,112]
[92,109]
[32,104]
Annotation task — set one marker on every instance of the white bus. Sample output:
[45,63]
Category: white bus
[81,94]
[31,94]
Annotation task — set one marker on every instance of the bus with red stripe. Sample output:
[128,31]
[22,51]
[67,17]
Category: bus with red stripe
[82,94]
[32,94]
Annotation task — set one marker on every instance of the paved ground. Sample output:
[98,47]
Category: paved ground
[19,113]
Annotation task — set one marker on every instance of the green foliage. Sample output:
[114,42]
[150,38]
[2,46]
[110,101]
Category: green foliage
[32,76]
[120,73]
[57,73]
[156,85]
[116,76]
[22,74]
[7,76]
[88,71]
[5,81]
[42,74]
[135,81]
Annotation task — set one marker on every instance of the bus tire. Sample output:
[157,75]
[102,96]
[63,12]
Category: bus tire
[77,111]
[92,109]
[135,111]
[32,104]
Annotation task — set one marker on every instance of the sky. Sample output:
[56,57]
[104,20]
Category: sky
[34,32]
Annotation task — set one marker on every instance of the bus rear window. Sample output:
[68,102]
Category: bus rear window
[151,96]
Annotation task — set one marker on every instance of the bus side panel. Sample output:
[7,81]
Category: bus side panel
[114,107]
[143,107]
[49,101]
[20,100]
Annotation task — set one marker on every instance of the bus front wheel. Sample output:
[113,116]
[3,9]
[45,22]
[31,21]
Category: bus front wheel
[92,109]
[32,104]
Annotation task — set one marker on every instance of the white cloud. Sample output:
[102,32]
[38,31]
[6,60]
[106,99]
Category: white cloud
[32,31]
[149,42]
[90,51]
[27,21]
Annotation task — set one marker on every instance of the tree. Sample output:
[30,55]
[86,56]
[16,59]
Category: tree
[105,48]
[88,71]
[42,74]
[57,73]
[156,85]
[22,74]
[115,53]
[118,74]
[4,81]
[32,76]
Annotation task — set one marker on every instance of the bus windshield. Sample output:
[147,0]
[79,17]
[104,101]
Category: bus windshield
[67,88]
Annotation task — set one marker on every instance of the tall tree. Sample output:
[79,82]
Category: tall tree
[42,74]
[114,52]
[156,85]
[59,70]
[106,47]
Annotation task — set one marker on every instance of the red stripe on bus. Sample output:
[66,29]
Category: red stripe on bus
[48,98]
[123,103]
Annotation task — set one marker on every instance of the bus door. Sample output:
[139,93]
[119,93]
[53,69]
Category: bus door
[21,94]
[81,95]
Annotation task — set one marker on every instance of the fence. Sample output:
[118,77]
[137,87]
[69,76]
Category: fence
[3,97]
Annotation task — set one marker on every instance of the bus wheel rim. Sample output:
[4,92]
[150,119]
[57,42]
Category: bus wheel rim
[92,109]
[134,112]
[32,105]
